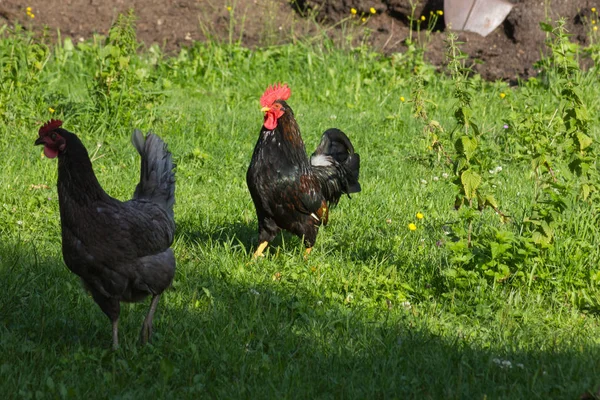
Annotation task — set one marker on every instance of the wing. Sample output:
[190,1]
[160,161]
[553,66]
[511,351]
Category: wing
[112,232]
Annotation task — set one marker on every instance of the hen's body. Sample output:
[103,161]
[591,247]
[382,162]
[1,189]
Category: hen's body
[292,192]
[120,250]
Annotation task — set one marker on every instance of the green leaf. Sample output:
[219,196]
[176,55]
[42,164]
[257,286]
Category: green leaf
[585,188]
[545,27]
[490,200]
[468,146]
[471,181]
[584,141]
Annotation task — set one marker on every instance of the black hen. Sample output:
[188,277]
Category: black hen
[290,191]
[120,250]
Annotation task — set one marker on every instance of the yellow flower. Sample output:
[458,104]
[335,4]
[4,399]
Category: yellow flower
[363,19]
[412,227]
[595,28]
[228,8]
[422,18]
[440,12]
[353,11]
[419,215]
[32,15]
[593,9]
[593,22]
[502,95]
[51,110]
[28,9]
[402,99]
[373,11]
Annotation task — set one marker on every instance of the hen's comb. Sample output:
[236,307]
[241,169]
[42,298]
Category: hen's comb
[274,92]
[50,126]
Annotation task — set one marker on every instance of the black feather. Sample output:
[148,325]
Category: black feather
[157,178]
[338,165]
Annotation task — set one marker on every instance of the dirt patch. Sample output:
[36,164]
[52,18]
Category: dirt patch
[507,53]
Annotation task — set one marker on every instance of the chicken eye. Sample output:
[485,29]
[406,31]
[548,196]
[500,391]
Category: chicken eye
[53,136]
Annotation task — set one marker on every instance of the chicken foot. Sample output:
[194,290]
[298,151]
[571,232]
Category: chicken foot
[259,251]
[307,252]
[146,333]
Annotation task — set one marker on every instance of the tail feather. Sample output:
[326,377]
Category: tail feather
[157,178]
[336,165]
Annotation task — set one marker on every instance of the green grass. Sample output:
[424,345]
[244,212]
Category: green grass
[371,314]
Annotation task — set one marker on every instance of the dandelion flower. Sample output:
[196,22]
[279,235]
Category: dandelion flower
[51,110]
[353,11]
[440,12]
[419,215]
[372,10]
[402,99]
[363,19]
[593,9]
[502,95]
[412,227]
[595,28]
[28,9]
[228,8]
[422,18]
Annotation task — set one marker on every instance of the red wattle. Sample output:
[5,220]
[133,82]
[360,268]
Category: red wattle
[50,153]
[270,121]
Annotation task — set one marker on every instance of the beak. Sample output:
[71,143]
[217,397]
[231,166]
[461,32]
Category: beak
[265,109]
[39,141]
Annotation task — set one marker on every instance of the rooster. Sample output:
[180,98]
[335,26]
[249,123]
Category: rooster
[289,190]
[120,250]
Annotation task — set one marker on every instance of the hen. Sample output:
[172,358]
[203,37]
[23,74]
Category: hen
[289,190]
[120,250]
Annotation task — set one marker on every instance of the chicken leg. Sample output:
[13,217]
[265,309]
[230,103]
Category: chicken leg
[115,334]
[146,334]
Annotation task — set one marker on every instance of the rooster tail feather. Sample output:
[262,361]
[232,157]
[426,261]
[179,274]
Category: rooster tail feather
[336,165]
[157,178]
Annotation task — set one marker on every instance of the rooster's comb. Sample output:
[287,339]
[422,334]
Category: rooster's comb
[50,126]
[274,92]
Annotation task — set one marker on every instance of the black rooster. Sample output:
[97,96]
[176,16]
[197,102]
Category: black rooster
[290,191]
[120,250]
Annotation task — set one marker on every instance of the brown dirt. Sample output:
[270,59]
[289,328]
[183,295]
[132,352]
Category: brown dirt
[507,53]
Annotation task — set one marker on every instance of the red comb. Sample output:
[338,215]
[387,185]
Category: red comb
[274,92]
[50,126]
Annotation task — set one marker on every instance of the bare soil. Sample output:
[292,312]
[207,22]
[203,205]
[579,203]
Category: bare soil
[508,53]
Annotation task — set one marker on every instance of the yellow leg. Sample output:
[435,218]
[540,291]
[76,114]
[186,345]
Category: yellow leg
[259,251]
[307,252]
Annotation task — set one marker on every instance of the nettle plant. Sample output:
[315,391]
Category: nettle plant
[558,144]
[22,60]
[488,252]
[119,76]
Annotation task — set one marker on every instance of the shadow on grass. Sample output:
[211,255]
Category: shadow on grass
[260,340]
[236,232]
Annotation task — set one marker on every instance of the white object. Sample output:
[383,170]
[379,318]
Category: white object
[479,16]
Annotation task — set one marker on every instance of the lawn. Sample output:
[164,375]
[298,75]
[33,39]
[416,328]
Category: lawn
[470,304]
